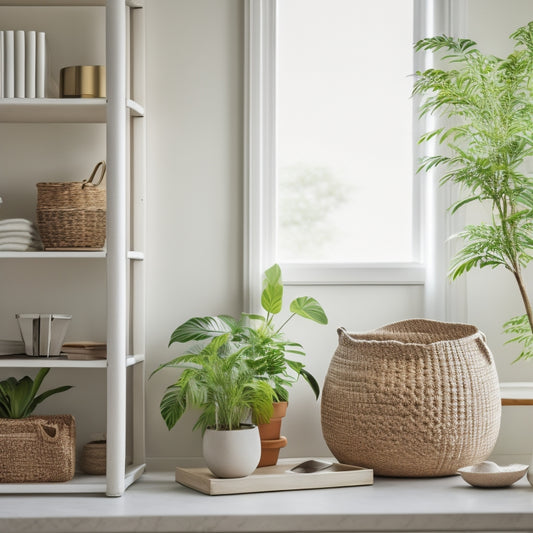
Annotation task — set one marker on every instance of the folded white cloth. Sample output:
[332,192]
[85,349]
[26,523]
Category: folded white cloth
[15,234]
[17,224]
[28,239]
[14,247]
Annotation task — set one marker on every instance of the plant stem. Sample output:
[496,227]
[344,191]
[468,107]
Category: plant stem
[525,297]
[282,325]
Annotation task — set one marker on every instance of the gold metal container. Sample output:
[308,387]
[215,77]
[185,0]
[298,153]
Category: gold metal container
[82,81]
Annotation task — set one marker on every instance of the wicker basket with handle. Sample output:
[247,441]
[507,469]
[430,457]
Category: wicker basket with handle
[417,398]
[37,449]
[73,214]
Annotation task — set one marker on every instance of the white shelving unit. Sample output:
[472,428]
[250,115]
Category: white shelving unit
[122,113]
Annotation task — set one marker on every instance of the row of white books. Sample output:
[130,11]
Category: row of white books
[22,64]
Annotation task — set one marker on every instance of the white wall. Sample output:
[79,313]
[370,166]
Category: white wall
[194,230]
[194,207]
[493,296]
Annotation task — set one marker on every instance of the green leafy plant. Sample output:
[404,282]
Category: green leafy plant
[490,102]
[262,344]
[18,398]
[221,384]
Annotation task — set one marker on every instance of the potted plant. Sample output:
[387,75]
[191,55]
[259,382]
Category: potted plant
[223,386]
[264,347]
[490,101]
[34,448]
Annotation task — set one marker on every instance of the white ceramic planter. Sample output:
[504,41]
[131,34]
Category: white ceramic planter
[233,453]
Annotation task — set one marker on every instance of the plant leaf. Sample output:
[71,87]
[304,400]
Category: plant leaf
[200,328]
[312,381]
[272,296]
[173,405]
[309,308]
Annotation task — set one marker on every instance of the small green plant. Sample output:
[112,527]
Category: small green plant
[18,398]
[261,342]
[490,101]
[221,384]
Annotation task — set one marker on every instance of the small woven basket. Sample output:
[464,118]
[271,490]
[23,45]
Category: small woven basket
[93,457]
[418,398]
[37,449]
[73,214]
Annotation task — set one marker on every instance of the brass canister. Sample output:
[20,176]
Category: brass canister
[82,81]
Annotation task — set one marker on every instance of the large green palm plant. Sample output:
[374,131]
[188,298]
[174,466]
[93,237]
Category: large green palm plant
[221,385]
[490,103]
[264,347]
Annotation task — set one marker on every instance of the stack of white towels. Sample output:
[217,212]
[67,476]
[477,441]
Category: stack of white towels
[19,235]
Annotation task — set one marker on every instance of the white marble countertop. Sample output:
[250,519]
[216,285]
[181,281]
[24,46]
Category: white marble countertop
[157,503]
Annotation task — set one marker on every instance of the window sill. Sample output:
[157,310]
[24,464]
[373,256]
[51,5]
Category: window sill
[353,273]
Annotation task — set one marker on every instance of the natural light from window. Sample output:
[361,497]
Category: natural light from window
[344,151]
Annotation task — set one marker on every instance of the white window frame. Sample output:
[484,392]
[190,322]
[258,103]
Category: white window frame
[429,223]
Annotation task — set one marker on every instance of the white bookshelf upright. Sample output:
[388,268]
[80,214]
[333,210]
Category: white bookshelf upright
[123,115]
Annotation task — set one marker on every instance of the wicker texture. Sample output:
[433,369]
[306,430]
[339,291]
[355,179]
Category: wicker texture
[72,214]
[37,449]
[417,398]
[93,458]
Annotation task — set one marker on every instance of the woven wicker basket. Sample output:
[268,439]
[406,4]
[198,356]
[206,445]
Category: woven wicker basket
[93,458]
[37,449]
[417,398]
[73,214]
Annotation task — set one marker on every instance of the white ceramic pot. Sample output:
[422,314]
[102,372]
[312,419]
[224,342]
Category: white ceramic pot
[233,453]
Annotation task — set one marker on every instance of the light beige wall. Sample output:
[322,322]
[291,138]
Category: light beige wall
[195,139]
[194,198]
[493,295]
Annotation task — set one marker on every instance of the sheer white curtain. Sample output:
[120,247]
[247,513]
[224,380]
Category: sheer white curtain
[443,300]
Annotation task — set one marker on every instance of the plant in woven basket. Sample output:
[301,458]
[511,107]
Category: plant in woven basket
[490,102]
[263,344]
[18,398]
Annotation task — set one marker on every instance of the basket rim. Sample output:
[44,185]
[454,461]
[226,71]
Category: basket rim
[353,337]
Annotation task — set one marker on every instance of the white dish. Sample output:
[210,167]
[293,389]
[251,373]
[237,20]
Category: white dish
[489,474]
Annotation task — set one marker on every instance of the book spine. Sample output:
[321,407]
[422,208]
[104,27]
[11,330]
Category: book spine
[9,64]
[30,64]
[40,63]
[20,70]
[2,75]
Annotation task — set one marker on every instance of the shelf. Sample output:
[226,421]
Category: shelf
[58,110]
[81,484]
[52,255]
[133,255]
[14,361]
[64,3]
[517,393]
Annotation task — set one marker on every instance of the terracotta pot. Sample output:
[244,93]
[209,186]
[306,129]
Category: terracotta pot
[271,440]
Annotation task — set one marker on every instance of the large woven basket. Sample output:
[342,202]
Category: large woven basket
[417,398]
[72,214]
[37,449]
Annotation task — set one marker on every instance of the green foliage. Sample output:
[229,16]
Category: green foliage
[262,345]
[490,102]
[520,330]
[18,398]
[272,295]
[223,387]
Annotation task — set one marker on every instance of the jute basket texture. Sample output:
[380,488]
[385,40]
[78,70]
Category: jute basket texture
[37,449]
[93,458]
[417,398]
[73,214]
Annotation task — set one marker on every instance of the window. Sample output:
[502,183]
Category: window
[344,150]
[331,191]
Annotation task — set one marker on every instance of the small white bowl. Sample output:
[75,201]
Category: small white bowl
[489,474]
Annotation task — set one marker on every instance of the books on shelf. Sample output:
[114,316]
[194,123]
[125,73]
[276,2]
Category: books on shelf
[22,64]
[85,350]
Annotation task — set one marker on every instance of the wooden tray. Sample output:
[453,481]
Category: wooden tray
[275,478]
